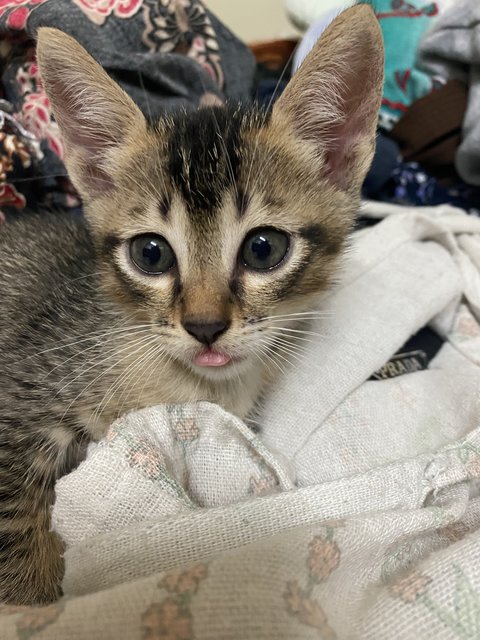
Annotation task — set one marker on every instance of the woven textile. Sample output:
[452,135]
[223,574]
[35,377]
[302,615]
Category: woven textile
[353,513]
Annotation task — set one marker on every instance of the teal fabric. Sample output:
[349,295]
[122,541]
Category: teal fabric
[403,25]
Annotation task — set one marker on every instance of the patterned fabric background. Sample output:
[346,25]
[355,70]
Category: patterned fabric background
[164,53]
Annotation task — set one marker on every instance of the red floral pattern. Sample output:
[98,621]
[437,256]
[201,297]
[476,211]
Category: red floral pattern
[18,12]
[98,10]
[14,145]
[180,26]
[9,197]
[36,115]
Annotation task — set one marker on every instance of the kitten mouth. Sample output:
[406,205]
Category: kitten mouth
[212,358]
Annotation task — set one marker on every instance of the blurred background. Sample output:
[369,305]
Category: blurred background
[254,20]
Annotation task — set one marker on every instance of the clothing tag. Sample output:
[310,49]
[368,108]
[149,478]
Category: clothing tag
[416,355]
[401,364]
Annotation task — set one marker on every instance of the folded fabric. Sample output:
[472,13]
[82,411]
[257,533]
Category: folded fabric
[354,513]
[452,49]
[164,54]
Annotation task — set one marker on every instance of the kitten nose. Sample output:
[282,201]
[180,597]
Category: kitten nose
[206,332]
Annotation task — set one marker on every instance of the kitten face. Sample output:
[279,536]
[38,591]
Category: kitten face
[209,223]
[216,183]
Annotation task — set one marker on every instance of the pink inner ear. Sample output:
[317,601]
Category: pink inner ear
[88,128]
[88,152]
[351,137]
[333,99]
[342,154]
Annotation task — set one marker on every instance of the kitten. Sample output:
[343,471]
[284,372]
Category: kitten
[199,229]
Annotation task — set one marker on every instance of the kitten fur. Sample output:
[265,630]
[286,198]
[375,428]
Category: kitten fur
[85,336]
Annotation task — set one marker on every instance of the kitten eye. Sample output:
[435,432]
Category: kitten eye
[152,254]
[265,249]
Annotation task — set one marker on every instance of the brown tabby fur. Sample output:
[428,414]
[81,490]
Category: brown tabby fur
[84,336]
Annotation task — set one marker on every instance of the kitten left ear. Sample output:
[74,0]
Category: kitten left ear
[332,101]
[94,114]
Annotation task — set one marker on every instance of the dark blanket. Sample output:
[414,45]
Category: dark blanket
[164,53]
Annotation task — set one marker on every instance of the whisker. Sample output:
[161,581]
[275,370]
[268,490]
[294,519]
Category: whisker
[103,373]
[264,353]
[157,359]
[284,349]
[298,331]
[71,280]
[99,359]
[299,348]
[134,369]
[112,390]
[307,315]
[94,335]
[308,341]
[96,345]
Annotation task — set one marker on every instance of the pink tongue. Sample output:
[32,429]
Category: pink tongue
[212,359]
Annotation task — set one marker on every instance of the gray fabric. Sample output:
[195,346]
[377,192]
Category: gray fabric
[155,77]
[166,54]
[452,49]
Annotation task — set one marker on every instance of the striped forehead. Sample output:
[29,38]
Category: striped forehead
[206,151]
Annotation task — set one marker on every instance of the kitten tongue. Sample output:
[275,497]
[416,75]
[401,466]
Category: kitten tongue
[212,359]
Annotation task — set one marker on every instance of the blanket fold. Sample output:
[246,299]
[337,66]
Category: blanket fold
[353,513]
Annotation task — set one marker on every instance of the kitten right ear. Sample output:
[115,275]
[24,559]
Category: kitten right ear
[332,102]
[95,116]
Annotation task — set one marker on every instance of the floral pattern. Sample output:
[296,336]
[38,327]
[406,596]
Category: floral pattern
[171,619]
[16,145]
[188,581]
[460,615]
[186,430]
[167,620]
[21,133]
[33,620]
[302,606]
[263,485]
[147,459]
[17,12]
[410,587]
[322,559]
[99,10]
[454,532]
[183,26]
[36,115]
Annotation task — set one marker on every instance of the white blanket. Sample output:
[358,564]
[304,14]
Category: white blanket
[354,513]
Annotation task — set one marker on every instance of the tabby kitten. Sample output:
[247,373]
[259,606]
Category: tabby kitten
[203,233]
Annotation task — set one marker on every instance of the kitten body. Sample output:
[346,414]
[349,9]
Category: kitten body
[92,328]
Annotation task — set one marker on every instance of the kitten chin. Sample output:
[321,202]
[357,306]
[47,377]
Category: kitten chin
[208,236]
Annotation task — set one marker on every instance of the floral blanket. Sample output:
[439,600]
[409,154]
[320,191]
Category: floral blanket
[354,512]
[164,53]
